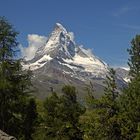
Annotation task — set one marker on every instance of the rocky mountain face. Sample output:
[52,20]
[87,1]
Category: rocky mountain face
[123,73]
[61,61]
[4,136]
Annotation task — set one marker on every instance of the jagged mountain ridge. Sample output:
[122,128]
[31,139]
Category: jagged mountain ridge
[61,61]
[62,48]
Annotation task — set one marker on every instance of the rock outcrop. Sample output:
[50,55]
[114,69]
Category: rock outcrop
[4,136]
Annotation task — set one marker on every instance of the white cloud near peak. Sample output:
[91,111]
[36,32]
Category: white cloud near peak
[34,42]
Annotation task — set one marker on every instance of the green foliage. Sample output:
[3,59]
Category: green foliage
[130,106]
[40,128]
[7,45]
[29,119]
[103,121]
[134,61]
[130,99]
[8,41]
[138,133]
[110,109]
[15,105]
[62,120]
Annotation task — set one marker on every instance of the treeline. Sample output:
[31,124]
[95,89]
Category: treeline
[114,116]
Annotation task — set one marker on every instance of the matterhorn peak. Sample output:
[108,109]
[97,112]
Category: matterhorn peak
[62,61]
[61,49]
[60,27]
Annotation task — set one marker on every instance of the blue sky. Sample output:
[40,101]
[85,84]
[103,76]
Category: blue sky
[105,26]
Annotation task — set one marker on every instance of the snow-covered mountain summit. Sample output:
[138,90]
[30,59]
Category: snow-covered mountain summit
[62,61]
[61,52]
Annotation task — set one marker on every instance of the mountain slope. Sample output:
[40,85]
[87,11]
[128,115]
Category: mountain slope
[61,61]
[123,73]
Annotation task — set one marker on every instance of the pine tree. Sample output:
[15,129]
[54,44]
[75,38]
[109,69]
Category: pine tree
[130,100]
[134,61]
[103,122]
[71,111]
[62,120]
[109,104]
[8,45]
[52,122]
[14,82]
[89,119]
[29,119]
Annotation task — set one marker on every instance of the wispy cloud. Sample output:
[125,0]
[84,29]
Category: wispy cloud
[132,27]
[35,41]
[122,11]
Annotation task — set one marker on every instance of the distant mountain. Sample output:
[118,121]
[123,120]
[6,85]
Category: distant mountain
[61,61]
[123,73]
